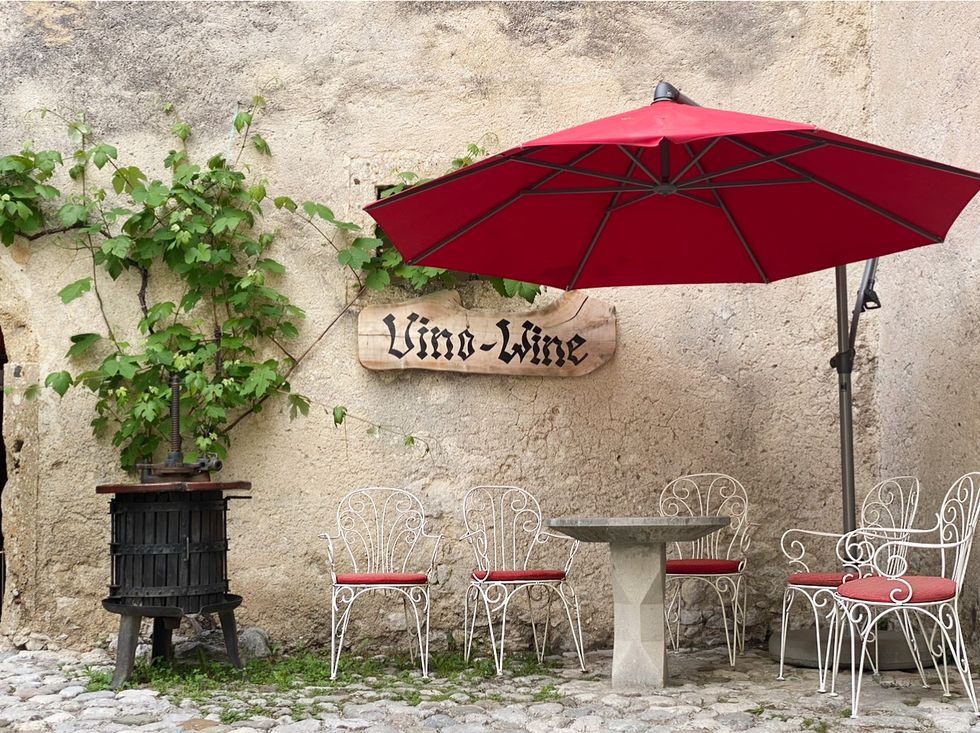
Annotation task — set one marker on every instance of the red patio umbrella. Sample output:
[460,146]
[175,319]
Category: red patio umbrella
[677,193]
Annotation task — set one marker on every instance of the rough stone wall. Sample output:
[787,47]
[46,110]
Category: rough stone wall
[730,379]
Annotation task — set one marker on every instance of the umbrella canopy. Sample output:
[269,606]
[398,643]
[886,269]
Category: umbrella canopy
[676,193]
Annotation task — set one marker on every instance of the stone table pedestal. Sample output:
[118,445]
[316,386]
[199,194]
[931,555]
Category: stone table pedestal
[638,551]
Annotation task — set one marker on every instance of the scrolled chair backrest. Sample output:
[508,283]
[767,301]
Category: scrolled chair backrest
[891,504]
[709,494]
[503,525]
[380,528]
[955,529]
[958,516]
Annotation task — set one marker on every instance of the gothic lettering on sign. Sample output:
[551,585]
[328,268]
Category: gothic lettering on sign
[572,336]
[427,341]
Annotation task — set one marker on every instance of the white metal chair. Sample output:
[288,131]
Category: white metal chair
[380,531]
[717,560]
[891,503]
[889,590]
[504,528]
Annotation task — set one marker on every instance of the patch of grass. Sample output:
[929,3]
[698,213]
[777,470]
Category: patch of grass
[548,693]
[759,709]
[97,679]
[232,715]
[818,726]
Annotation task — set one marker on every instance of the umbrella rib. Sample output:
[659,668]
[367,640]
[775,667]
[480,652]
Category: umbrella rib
[639,163]
[892,155]
[750,164]
[735,227]
[462,173]
[602,225]
[598,189]
[664,159]
[744,184]
[495,210]
[693,161]
[844,193]
[569,168]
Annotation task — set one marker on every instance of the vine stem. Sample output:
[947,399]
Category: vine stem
[298,360]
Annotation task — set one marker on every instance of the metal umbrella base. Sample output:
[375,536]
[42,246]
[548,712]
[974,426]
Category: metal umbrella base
[893,652]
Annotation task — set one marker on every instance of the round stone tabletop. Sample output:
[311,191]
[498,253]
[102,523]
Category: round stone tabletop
[638,530]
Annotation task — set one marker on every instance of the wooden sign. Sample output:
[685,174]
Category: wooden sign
[573,336]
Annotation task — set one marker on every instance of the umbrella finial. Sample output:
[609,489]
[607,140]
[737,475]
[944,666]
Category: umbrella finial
[665,92]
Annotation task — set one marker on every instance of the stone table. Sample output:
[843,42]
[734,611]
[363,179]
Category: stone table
[638,549]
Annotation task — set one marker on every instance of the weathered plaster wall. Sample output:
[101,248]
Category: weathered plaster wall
[925,95]
[731,379]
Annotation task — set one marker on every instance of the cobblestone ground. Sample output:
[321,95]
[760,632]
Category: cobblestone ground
[46,691]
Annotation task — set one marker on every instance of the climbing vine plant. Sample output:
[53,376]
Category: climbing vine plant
[229,332]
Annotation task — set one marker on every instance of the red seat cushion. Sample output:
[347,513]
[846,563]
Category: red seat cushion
[511,576]
[824,580]
[705,566]
[925,589]
[382,579]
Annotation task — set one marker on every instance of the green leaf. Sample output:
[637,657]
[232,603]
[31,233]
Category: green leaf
[181,131]
[242,120]
[353,257]
[261,145]
[59,382]
[81,343]
[270,266]
[75,290]
[298,405]
[153,195]
[409,440]
[31,393]
[378,280]
[73,214]
[284,202]
[339,413]
[102,154]
[117,246]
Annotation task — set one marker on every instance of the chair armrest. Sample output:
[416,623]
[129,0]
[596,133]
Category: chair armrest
[794,550]
[889,561]
[435,552]
[477,539]
[330,551]
[572,547]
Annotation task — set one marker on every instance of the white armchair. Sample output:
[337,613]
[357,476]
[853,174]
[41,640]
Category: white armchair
[504,529]
[717,560]
[888,590]
[890,504]
[379,534]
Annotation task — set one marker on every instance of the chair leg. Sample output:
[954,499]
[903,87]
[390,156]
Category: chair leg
[788,595]
[908,631]
[743,613]
[564,590]
[673,606]
[963,663]
[857,660]
[497,648]
[416,596]
[469,621]
[338,629]
[411,646]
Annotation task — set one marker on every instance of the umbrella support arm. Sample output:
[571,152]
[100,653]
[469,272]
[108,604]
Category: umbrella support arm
[843,362]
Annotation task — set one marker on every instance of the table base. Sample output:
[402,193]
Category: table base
[639,649]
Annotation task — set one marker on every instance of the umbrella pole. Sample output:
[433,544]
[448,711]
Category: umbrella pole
[844,362]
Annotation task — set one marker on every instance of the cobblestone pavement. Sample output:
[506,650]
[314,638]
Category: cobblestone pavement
[46,691]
